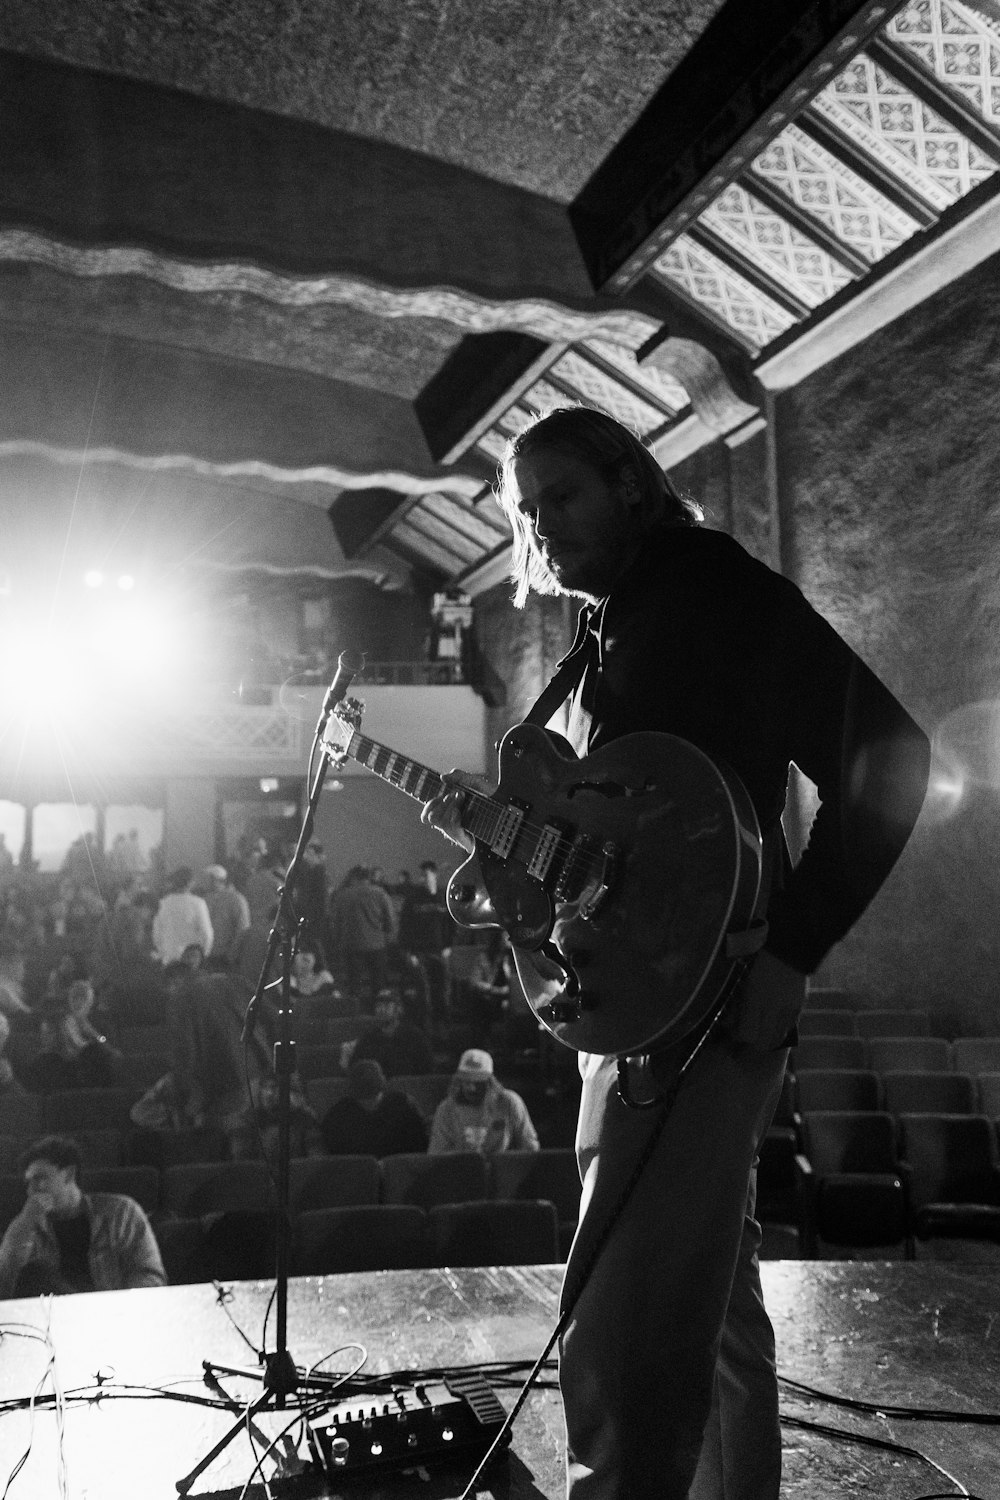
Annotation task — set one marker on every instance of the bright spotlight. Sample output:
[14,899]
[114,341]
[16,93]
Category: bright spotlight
[126,582]
[93,578]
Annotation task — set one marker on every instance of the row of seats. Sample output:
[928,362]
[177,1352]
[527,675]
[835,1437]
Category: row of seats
[886,1054]
[196,1189]
[72,1110]
[872,1178]
[817,1021]
[897,1092]
[240,1245]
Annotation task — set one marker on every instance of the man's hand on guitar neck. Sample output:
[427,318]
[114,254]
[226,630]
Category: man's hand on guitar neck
[444,812]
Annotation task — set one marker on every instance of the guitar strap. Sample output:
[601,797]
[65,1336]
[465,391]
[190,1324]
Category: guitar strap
[567,676]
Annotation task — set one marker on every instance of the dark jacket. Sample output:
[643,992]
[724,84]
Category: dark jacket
[699,640]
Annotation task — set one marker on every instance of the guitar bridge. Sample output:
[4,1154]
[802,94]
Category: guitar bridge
[590,908]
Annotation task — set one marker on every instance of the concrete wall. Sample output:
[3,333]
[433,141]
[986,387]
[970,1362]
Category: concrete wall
[889,471]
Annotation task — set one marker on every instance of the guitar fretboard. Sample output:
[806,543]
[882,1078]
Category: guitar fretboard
[492,822]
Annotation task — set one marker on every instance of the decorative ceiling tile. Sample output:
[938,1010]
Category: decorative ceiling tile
[543,396]
[515,419]
[711,283]
[600,389]
[959,45]
[760,235]
[430,528]
[413,542]
[827,188]
[492,444]
[661,385]
[483,526]
[905,135]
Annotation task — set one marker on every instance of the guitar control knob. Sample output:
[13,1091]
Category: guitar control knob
[339,1449]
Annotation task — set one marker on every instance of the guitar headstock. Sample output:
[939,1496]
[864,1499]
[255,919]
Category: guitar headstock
[344,721]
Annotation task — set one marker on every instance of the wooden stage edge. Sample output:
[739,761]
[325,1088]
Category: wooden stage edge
[903,1334]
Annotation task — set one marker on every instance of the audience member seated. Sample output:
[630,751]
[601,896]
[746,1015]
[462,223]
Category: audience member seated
[302,1124]
[83,1042]
[373,1120]
[66,1240]
[480,985]
[72,1053]
[397,1045]
[308,978]
[479,1114]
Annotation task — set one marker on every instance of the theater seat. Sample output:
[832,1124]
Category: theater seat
[422,1180]
[954,1175]
[366,1237]
[493,1233]
[851,1184]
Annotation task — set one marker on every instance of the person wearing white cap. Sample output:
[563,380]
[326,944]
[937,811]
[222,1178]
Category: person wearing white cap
[230,914]
[479,1114]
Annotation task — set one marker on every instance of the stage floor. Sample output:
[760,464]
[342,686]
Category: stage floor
[899,1333]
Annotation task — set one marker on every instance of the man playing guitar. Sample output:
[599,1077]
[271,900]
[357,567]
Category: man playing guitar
[667,1361]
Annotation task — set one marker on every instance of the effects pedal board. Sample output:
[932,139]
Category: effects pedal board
[408,1426]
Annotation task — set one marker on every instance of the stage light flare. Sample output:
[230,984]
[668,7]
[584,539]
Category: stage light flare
[68,674]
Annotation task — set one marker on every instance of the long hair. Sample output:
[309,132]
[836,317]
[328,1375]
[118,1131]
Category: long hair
[609,447]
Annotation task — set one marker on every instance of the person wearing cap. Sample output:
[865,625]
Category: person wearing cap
[229,912]
[479,1114]
[373,1119]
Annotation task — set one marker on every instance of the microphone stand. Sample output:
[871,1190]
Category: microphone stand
[281,1378]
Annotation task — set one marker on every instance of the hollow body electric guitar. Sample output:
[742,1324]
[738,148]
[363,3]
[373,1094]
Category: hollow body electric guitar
[626,880]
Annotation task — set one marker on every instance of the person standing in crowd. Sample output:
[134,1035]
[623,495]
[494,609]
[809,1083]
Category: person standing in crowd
[667,1363]
[261,885]
[362,927]
[181,920]
[399,1046]
[310,899]
[425,929]
[217,1079]
[479,1114]
[373,1120]
[66,1240]
[229,914]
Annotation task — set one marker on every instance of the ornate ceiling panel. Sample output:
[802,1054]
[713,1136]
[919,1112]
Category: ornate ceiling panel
[827,188]
[730,297]
[959,45]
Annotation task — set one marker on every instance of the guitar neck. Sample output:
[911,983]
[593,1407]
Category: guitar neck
[480,815]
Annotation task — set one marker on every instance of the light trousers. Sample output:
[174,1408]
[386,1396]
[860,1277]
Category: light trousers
[667,1364]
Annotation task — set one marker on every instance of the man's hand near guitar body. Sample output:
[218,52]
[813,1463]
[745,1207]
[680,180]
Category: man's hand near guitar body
[771,997]
[443,812]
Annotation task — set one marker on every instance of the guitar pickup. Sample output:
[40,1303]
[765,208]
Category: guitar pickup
[552,840]
[507,825]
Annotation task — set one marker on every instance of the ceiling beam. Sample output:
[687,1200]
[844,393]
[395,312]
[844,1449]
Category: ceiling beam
[752,70]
